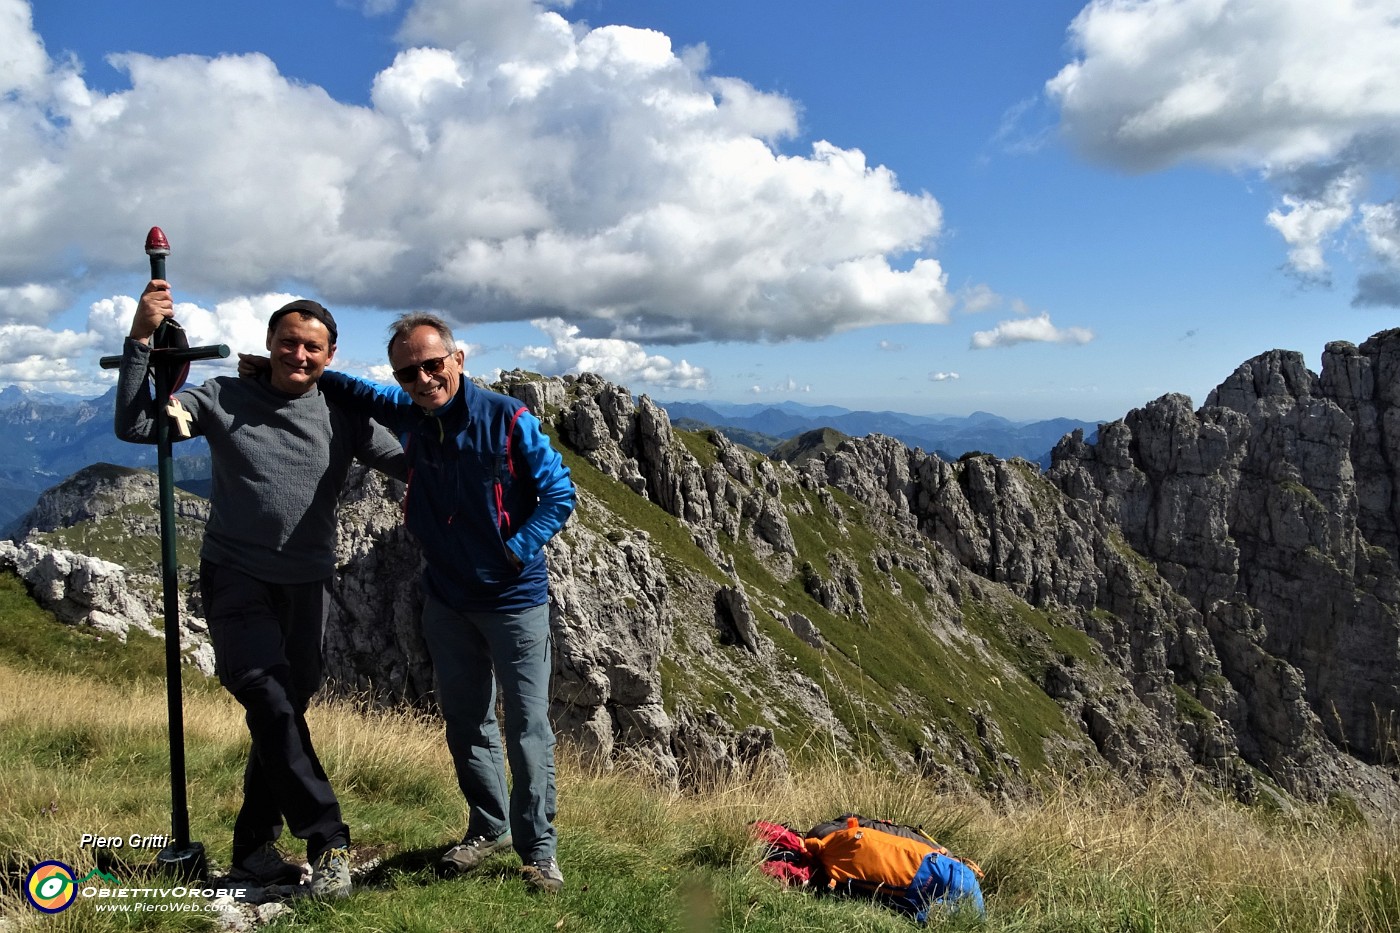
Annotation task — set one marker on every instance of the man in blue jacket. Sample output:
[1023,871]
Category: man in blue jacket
[486,491]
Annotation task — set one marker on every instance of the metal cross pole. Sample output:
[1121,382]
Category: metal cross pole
[170,360]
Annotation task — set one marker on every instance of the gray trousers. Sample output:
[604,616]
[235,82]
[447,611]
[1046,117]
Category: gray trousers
[472,653]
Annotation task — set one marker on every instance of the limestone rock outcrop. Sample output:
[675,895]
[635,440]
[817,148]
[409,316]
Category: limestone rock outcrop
[1196,595]
[103,490]
[1270,511]
[79,589]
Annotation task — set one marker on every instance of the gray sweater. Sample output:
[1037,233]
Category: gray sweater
[279,462]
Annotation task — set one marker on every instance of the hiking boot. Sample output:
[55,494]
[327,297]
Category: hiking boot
[265,867]
[472,852]
[330,877]
[544,875]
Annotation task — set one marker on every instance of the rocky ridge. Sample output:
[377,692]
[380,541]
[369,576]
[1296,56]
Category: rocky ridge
[1205,595]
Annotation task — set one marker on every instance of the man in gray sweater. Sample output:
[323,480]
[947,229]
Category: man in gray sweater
[280,456]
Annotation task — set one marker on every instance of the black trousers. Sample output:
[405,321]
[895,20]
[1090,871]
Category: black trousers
[267,653]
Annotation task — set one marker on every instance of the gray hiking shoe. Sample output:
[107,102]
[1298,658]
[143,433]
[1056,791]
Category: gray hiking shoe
[330,877]
[472,852]
[265,867]
[544,875]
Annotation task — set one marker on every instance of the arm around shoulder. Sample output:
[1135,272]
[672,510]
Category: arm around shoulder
[381,450]
[386,404]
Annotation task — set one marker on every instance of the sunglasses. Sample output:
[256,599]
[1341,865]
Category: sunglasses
[428,367]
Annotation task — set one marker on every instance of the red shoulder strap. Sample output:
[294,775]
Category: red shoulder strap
[510,435]
[502,516]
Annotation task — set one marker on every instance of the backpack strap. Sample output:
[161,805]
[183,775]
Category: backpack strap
[502,516]
[510,436]
[405,440]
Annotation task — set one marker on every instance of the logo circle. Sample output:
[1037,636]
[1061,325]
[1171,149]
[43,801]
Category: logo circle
[50,887]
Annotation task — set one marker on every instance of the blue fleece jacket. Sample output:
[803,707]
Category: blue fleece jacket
[484,483]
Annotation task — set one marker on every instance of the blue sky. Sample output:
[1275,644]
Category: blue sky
[1035,208]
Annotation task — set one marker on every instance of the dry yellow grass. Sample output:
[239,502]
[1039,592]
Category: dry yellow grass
[1076,857]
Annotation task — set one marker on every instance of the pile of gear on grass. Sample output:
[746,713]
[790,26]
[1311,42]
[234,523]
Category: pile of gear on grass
[896,865]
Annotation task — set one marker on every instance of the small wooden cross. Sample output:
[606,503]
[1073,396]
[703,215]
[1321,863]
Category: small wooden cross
[180,419]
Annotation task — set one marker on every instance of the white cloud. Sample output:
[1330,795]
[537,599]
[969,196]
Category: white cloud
[942,377]
[788,386]
[65,360]
[381,373]
[1238,82]
[1306,93]
[889,346]
[31,303]
[374,7]
[1023,129]
[1307,225]
[978,298]
[33,356]
[1381,224]
[512,163]
[23,340]
[1029,330]
[23,61]
[240,324]
[110,321]
[620,361]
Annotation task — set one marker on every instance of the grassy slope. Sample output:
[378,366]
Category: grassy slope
[82,749]
[892,683]
[887,681]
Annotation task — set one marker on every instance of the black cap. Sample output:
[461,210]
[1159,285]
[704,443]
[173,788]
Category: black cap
[310,309]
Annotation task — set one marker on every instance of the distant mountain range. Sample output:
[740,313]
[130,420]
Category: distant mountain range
[52,436]
[763,427]
[49,437]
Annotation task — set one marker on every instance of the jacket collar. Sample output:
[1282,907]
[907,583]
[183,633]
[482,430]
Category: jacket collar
[455,410]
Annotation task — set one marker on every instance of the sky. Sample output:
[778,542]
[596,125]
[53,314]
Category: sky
[1036,208]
